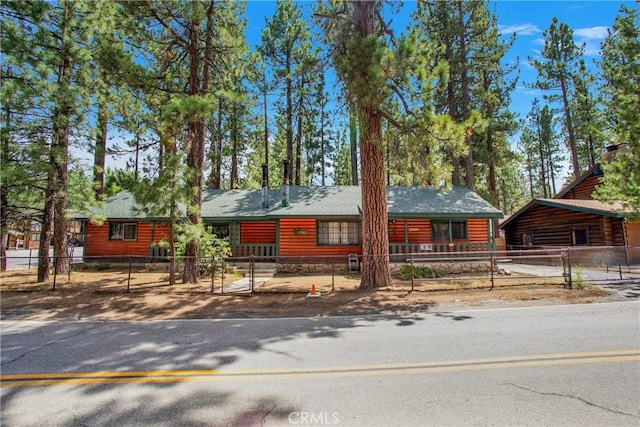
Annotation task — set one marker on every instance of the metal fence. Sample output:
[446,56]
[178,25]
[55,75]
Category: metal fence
[569,267]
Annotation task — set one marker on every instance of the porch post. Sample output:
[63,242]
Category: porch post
[406,236]
[277,252]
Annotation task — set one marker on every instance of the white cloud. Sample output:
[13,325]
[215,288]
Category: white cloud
[519,29]
[592,33]
[591,38]
[539,41]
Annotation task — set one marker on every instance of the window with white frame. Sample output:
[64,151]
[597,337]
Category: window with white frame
[123,231]
[336,233]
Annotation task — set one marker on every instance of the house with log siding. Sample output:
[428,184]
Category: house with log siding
[571,218]
[304,221]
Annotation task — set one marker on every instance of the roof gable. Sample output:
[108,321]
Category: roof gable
[593,170]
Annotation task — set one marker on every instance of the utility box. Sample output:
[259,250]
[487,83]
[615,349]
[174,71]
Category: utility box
[354,263]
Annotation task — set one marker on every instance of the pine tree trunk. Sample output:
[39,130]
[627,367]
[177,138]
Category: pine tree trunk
[4,192]
[195,159]
[491,179]
[541,146]
[298,162]
[46,231]
[375,233]
[233,181]
[572,139]
[353,143]
[265,117]
[100,151]
[289,107]
[59,154]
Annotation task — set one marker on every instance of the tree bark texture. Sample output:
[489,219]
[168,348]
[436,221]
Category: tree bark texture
[195,158]
[4,192]
[375,233]
[100,151]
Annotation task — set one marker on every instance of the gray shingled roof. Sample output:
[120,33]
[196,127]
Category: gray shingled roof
[335,201]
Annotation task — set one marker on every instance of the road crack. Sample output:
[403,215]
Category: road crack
[15,359]
[570,396]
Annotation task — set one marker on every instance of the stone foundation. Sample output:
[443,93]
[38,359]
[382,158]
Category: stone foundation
[462,267]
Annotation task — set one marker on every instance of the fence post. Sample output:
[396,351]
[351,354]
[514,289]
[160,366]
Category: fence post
[129,276]
[620,270]
[333,273]
[213,271]
[492,267]
[411,260]
[222,278]
[29,266]
[55,272]
[252,269]
[569,265]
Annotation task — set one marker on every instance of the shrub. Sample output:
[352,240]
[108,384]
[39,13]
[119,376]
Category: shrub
[102,266]
[419,272]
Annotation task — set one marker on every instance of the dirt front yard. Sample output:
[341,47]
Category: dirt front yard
[100,295]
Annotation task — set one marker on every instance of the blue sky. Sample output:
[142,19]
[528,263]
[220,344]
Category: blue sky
[528,19]
[589,21]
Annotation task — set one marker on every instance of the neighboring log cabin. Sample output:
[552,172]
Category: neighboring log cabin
[305,221]
[571,218]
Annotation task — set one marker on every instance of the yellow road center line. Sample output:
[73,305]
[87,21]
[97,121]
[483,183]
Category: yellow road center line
[123,377]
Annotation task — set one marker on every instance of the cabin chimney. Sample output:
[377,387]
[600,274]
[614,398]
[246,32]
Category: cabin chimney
[286,182]
[611,151]
[265,186]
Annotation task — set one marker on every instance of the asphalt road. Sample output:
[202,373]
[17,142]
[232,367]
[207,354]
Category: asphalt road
[560,365]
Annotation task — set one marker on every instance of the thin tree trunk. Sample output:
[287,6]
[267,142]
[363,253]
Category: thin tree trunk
[215,180]
[464,89]
[289,129]
[100,150]
[451,107]
[233,181]
[266,118]
[572,139]
[322,144]
[4,191]
[541,145]
[353,143]
[491,178]
[298,161]
[46,231]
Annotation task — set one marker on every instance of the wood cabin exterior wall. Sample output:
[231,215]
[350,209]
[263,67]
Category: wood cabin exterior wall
[550,226]
[258,232]
[633,233]
[583,190]
[298,237]
[98,244]
[419,231]
[478,230]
